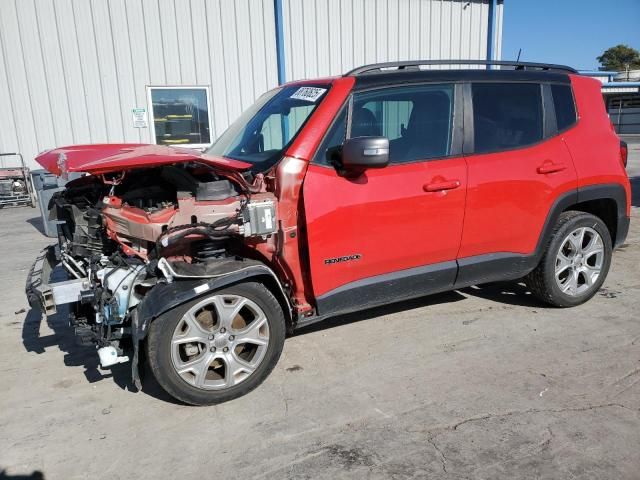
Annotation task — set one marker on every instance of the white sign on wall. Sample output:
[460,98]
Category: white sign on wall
[139,117]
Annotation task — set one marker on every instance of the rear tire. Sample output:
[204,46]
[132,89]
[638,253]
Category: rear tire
[575,262]
[217,347]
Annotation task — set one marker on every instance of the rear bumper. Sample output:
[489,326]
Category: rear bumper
[622,230]
[45,296]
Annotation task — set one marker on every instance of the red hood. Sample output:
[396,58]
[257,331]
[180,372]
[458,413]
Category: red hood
[113,157]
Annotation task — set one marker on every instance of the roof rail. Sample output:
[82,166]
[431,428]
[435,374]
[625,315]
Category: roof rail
[417,63]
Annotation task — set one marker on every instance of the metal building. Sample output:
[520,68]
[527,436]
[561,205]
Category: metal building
[177,72]
[621,93]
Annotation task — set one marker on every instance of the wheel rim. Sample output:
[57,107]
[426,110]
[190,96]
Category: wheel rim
[220,342]
[579,261]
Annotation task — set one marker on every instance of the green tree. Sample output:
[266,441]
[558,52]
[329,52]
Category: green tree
[620,58]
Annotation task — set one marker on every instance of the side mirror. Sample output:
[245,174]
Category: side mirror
[361,153]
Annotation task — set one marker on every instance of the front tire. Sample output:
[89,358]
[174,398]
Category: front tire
[575,263]
[218,347]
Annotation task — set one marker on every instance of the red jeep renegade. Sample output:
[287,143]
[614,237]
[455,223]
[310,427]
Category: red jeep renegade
[328,196]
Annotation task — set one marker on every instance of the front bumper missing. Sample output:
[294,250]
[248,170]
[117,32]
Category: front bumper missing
[45,296]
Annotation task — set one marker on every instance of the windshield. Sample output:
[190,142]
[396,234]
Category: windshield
[261,133]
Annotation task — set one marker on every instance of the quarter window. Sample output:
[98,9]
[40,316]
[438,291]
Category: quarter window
[180,116]
[506,115]
[328,151]
[564,106]
[417,120]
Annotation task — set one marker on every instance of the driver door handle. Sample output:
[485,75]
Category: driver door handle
[442,185]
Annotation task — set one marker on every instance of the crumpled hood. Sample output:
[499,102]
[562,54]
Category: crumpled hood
[113,157]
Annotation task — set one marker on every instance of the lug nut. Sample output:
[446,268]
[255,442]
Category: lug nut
[211,337]
[212,349]
[225,349]
[231,338]
[222,330]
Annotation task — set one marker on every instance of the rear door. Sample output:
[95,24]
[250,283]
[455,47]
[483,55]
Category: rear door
[517,167]
[393,232]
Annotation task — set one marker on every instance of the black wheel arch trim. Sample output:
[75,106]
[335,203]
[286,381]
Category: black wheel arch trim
[165,297]
[613,191]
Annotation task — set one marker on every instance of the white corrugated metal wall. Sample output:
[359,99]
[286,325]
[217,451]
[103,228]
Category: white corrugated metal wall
[71,71]
[330,37]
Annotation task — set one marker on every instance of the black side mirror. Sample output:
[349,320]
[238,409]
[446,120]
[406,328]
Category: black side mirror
[361,153]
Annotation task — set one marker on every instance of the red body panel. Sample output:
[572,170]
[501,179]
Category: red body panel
[593,143]
[385,216]
[290,174]
[508,199]
[114,157]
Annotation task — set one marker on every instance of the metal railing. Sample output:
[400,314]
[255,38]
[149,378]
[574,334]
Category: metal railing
[12,174]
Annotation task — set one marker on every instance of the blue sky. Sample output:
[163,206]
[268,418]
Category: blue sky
[570,32]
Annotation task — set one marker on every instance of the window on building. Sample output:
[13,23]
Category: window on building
[624,112]
[619,103]
[564,106]
[417,120]
[506,115]
[180,116]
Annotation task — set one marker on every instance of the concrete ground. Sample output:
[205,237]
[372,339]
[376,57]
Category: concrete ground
[482,383]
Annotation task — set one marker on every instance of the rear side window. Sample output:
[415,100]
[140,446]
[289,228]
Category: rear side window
[506,115]
[564,106]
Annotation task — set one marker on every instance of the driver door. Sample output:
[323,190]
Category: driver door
[394,232]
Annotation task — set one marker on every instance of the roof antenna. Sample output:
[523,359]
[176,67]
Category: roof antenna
[519,52]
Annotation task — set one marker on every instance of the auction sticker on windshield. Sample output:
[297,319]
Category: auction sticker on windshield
[309,94]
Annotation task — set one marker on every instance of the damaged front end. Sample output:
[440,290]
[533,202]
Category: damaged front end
[135,243]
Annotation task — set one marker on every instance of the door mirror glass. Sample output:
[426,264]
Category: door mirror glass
[361,153]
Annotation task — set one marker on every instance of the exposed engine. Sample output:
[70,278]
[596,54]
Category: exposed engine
[122,234]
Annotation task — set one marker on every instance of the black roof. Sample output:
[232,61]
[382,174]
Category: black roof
[394,73]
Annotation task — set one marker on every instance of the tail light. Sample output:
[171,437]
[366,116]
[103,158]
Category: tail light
[624,153]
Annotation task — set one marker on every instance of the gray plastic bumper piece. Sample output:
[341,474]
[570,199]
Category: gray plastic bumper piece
[45,296]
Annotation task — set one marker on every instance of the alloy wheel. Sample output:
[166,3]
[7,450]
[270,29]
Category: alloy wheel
[220,342]
[579,261]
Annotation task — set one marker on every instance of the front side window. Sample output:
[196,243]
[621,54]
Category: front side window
[506,115]
[417,120]
[180,116]
[261,133]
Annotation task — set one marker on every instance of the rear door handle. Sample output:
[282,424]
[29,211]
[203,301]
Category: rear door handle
[439,186]
[549,167]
